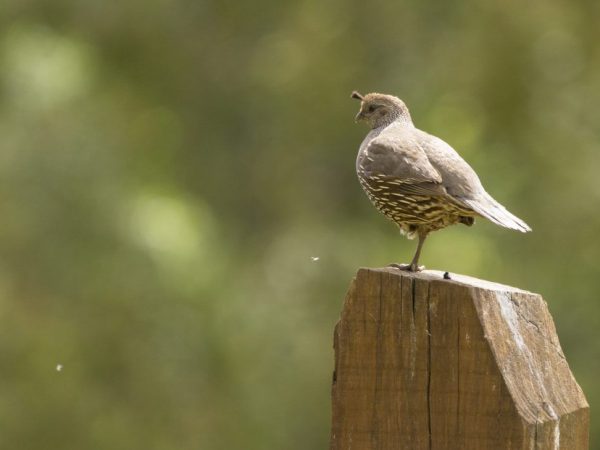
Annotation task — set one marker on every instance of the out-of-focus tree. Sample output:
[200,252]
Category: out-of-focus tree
[169,169]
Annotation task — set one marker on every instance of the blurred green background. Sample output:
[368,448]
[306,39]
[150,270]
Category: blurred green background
[170,169]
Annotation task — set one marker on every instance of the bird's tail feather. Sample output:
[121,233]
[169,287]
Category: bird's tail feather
[489,208]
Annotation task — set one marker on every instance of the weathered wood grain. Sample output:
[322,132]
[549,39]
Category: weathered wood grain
[427,363]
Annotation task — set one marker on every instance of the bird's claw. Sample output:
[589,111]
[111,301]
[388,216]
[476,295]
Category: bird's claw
[407,267]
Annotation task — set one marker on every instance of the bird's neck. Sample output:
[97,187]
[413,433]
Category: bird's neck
[387,121]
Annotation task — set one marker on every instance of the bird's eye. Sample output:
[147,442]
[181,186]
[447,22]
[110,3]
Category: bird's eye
[372,108]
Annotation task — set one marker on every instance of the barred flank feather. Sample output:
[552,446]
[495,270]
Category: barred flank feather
[402,203]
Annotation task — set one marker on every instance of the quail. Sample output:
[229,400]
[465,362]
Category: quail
[417,180]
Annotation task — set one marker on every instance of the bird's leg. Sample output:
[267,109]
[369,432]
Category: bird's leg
[414,265]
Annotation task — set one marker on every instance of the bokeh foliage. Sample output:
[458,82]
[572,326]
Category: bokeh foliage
[169,168]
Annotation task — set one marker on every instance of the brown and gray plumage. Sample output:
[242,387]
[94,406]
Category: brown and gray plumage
[416,179]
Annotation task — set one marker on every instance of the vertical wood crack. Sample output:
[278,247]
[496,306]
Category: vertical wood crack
[414,298]
[428,304]
[457,372]
[378,369]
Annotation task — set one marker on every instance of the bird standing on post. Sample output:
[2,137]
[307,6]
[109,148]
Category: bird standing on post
[416,179]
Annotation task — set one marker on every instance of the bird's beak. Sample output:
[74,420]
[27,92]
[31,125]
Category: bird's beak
[360,116]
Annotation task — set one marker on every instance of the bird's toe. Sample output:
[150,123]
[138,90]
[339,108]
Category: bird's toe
[407,267]
[400,266]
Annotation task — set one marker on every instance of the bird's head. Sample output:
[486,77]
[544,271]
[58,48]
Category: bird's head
[381,109]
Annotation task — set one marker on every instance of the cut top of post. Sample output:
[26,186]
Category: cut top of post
[462,280]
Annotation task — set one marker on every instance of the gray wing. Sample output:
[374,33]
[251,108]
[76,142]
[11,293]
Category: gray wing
[459,179]
[403,163]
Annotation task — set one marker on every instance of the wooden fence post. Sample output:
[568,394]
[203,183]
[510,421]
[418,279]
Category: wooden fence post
[464,364]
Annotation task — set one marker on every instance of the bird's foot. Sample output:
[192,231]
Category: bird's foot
[407,267]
